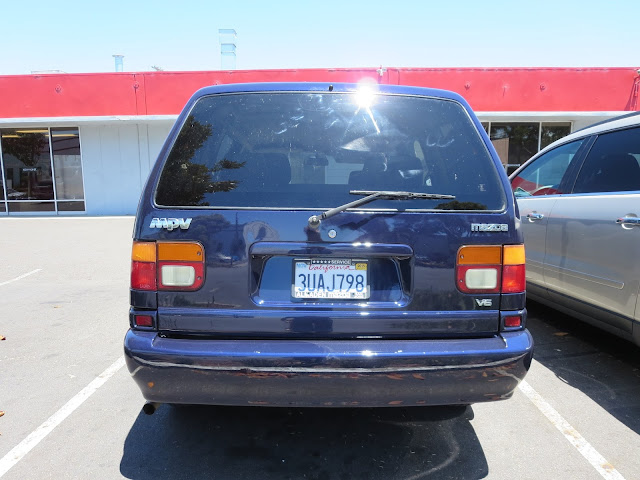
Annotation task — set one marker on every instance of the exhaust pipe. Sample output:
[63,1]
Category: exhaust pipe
[150,407]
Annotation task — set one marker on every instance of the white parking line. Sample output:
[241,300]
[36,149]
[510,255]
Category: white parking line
[20,277]
[19,451]
[596,460]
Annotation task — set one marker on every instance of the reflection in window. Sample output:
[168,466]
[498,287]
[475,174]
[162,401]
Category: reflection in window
[3,206]
[612,164]
[71,206]
[310,150]
[27,164]
[29,172]
[544,175]
[553,131]
[22,207]
[515,142]
[65,144]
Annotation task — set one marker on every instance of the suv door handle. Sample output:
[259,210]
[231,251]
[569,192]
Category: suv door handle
[632,221]
[535,216]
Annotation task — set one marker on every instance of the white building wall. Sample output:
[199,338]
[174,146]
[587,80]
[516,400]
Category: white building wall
[116,160]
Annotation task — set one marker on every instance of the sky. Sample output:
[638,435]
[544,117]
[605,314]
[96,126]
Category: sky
[81,36]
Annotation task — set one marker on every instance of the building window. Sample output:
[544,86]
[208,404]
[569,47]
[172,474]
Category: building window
[517,142]
[41,170]
[550,132]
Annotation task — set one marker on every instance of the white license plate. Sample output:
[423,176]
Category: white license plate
[331,278]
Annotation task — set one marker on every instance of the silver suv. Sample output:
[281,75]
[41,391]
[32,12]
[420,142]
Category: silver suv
[579,202]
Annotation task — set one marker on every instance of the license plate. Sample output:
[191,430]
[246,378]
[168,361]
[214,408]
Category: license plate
[331,278]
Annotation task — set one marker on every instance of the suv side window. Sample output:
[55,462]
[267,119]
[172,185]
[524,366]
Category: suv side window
[544,175]
[612,164]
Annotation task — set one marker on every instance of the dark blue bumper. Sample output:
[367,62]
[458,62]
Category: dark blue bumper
[369,373]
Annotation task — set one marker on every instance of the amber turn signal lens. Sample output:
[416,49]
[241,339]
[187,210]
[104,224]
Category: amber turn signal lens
[180,251]
[514,255]
[143,252]
[480,255]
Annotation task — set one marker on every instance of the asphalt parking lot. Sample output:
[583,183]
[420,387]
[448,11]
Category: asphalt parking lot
[72,411]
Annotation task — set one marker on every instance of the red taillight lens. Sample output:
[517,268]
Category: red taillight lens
[513,321]
[143,275]
[143,266]
[143,320]
[513,271]
[513,279]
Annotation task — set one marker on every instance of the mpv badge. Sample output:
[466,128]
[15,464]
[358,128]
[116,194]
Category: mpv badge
[489,227]
[170,223]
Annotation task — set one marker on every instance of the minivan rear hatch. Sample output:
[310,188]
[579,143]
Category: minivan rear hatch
[245,177]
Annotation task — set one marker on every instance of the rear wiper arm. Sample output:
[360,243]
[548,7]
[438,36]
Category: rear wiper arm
[371,195]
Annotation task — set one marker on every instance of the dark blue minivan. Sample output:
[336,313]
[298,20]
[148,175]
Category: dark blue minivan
[308,244]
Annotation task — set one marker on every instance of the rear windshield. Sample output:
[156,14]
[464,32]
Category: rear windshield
[308,150]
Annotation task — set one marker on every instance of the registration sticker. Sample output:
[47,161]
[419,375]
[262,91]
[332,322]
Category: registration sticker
[333,278]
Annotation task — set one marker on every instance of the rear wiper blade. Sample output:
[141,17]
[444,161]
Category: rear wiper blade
[371,195]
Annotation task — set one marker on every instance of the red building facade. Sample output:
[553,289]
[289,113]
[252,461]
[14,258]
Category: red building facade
[99,133]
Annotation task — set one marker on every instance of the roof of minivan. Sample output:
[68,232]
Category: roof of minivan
[327,87]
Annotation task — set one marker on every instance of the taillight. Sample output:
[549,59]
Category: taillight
[143,320]
[513,321]
[180,266]
[167,266]
[491,269]
[143,266]
[479,268]
[513,270]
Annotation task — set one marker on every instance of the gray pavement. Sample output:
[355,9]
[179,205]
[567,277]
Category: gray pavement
[64,324]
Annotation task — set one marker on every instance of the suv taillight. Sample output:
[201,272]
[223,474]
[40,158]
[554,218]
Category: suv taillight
[513,269]
[167,266]
[491,269]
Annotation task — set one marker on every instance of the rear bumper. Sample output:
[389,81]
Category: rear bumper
[368,373]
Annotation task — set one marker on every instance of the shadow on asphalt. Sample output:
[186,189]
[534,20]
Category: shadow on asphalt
[601,365]
[322,444]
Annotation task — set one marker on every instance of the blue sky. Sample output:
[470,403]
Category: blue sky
[81,36]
